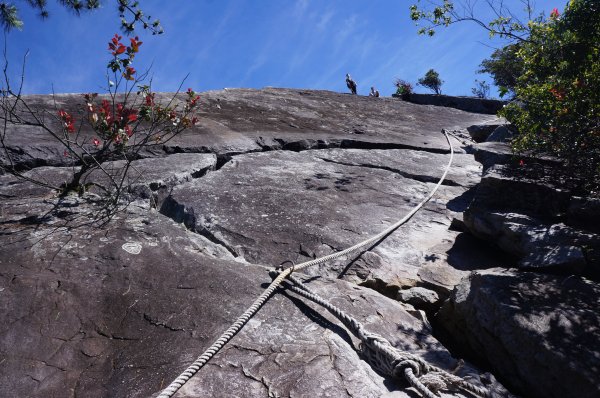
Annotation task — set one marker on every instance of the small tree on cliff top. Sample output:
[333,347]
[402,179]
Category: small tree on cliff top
[432,81]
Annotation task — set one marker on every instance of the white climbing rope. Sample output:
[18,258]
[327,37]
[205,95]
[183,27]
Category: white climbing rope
[380,353]
[253,309]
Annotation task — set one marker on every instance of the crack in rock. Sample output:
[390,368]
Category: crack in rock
[416,177]
[157,323]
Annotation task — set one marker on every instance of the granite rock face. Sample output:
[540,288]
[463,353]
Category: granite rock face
[480,132]
[234,121]
[535,220]
[121,310]
[269,176]
[538,332]
[535,329]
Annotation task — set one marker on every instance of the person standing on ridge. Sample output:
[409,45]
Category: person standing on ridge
[374,93]
[350,83]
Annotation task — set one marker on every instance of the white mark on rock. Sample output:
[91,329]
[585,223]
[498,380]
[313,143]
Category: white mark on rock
[132,247]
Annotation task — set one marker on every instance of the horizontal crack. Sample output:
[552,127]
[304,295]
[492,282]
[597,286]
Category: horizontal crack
[417,177]
[115,337]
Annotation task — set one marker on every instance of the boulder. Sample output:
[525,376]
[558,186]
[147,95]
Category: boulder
[502,188]
[561,259]
[538,245]
[420,298]
[492,153]
[538,332]
[584,213]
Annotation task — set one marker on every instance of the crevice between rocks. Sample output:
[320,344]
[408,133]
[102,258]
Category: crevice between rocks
[416,177]
[156,323]
[280,144]
[183,215]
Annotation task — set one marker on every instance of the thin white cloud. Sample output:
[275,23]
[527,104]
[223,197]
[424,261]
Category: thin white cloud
[300,8]
[324,20]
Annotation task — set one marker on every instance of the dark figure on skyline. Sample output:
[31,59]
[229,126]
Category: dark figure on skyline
[374,93]
[350,83]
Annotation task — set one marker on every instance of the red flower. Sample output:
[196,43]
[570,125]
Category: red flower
[558,94]
[105,108]
[68,121]
[128,131]
[521,163]
[150,99]
[554,14]
[96,141]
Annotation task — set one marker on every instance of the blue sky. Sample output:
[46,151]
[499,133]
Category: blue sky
[253,43]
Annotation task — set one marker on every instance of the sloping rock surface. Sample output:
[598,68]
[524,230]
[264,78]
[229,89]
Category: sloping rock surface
[242,120]
[120,309]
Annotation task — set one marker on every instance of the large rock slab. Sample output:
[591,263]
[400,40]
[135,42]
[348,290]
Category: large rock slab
[121,310]
[269,208]
[538,332]
[234,121]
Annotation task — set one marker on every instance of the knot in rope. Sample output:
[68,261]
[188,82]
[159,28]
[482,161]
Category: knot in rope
[403,365]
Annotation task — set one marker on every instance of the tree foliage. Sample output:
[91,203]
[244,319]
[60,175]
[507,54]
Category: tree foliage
[129,12]
[105,134]
[432,81]
[403,88]
[558,111]
[443,13]
[505,66]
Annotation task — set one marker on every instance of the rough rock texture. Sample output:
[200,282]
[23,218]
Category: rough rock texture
[121,310]
[496,153]
[538,332]
[420,298]
[270,175]
[530,218]
[269,208]
[234,121]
